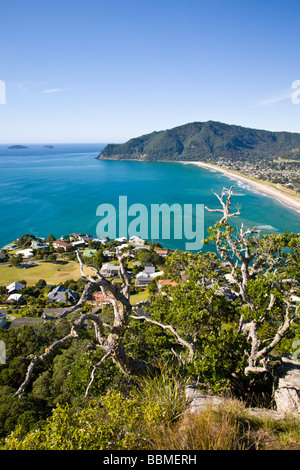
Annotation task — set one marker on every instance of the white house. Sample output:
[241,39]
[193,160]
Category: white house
[37,245]
[14,298]
[136,240]
[28,253]
[120,240]
[109,269]
[124,245]
[14,287]
[145,277]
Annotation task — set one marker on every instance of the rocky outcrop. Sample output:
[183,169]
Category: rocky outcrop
[287,394]
[198,402]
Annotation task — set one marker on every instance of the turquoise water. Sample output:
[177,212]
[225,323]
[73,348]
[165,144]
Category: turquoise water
[58,191]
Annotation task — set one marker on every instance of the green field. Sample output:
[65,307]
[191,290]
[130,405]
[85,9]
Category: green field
[52,273]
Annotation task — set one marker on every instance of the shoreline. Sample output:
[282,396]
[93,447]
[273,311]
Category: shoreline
[268,190]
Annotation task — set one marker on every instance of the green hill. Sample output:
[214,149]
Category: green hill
[207,141]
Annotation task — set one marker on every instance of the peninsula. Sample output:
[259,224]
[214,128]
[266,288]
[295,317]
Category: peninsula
[270,161]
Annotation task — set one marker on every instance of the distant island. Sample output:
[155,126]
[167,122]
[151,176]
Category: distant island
[17,147]
[267,156]
[48,146]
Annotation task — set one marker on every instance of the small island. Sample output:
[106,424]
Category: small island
[48,147]
[17,147]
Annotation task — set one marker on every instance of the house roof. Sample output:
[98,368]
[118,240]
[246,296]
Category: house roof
[59,294]
[109,267]
[167,282]
[60,243]
[15,297]
[15,286]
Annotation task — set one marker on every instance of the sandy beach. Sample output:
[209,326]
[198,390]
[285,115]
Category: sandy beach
[268,190]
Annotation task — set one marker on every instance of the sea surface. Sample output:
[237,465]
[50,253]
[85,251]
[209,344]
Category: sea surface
[58,190]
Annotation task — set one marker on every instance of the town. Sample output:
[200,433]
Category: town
[285,174]
[43,277]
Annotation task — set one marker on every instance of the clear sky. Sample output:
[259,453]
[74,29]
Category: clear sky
[109,70]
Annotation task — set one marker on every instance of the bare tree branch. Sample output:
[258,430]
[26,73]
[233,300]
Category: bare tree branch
[180,340]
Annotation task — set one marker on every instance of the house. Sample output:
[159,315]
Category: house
[141,247]
[108,253]
[2,255]
[120,240]
[162,252]
[14,287]
[10,246]
[61,244]
[62,294]
[78,243]
[145,277]
[27,253]
[110,270]
[104,240]
[16,298]
[124,245]
[37,245]
[165,282]
[85,238]
[136,240]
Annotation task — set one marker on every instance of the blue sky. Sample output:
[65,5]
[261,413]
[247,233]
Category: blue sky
[109,70]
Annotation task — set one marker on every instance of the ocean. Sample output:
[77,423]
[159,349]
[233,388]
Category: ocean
[58,190]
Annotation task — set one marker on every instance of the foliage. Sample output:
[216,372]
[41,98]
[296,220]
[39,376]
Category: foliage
[210,140]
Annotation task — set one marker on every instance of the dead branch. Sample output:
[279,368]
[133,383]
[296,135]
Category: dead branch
[180,340]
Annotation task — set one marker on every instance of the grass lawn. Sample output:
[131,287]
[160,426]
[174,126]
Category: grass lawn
[139,297]
[52,273]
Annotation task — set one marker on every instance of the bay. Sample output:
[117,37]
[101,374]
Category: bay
[57,190]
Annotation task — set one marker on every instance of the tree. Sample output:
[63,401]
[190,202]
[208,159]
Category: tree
[260,268]
[16,260]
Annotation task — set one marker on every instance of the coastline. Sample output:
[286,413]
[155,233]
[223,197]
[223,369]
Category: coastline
[262,187]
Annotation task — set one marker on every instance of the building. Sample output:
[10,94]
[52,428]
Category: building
[136,240]
[78,243]
[145,277]
[162,252]
[61,244]
[14,287]
[37,245]
[120,240]
[16,298]
[27,253]
[62,294]
[165,282]
[110,270]
[85,238]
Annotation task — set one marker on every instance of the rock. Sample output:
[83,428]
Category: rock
[287,394]
[198,401]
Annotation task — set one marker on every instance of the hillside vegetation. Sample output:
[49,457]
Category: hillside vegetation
[207,141]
